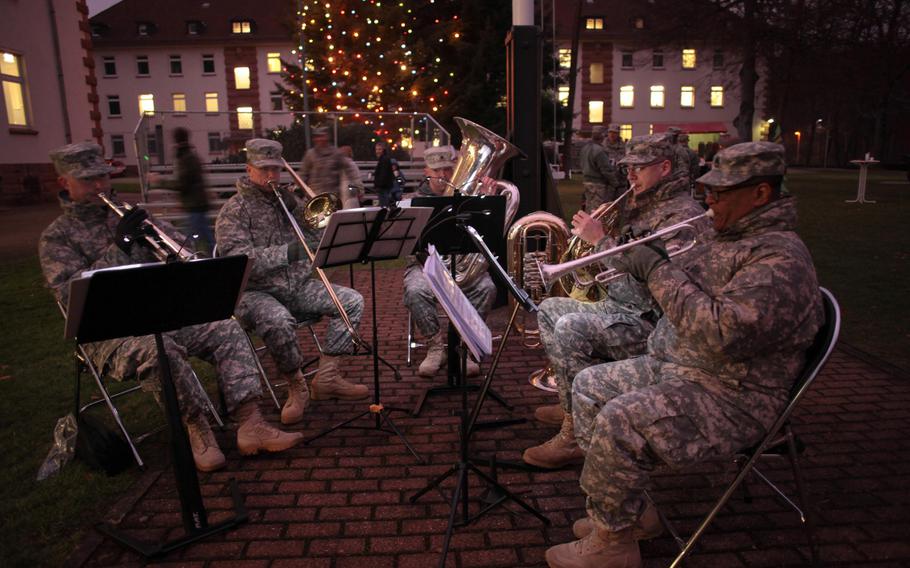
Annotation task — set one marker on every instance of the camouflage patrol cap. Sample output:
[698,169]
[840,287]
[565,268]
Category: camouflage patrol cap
[440,157]
[648,149]
[673,130]
[80,160]
[321,131]
[262,153]
[613,128]
[742,162]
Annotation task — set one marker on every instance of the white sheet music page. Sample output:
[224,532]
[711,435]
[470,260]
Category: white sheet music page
[471,327]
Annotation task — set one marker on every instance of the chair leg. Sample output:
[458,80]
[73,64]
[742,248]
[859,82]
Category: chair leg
[803,495]
[208,402]
[410,343]
[262,376]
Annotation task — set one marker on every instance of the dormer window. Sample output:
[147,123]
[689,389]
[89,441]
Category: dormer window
[594,23]
[98,30]
[193,27]
[638,23]
[242,27]
[145,28]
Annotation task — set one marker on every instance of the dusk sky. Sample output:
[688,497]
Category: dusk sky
[95,6]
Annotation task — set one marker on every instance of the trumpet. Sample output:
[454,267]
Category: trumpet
[319,206]
[551,273]
[163,246]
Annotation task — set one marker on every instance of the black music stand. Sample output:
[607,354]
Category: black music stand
[486,213]
[103,306]
[469,422]
[366,235]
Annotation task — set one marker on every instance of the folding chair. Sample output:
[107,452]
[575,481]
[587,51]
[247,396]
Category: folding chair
[780,434]
[84,363]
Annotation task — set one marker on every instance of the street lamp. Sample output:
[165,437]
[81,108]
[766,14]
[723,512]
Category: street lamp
[798,138]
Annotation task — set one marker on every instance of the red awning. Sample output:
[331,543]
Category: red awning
[694,127]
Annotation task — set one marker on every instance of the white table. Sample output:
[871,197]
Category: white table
[863,173]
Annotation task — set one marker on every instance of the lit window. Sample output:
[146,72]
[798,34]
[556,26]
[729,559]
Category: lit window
[211,102]
[594,23]
[597,73]
[563,95]
[241,27]
[687,96]
[627,60]
[718,59]
[627,96]
[142,65]
[179,100]
[650,129]
[208,64]
[273,62]
[113,105]
[176,65]
[595,111]
[625,131]
[638,23]
[110,66]
[214,142]
[717,96]
[657,96]
[688,59]
[242,77]
[565,58]
[657,59]
[146,103]
[13,89]
[118,148]
[245,118]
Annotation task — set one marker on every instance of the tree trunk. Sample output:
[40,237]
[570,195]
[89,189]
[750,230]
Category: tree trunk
[747,76]
[573,75]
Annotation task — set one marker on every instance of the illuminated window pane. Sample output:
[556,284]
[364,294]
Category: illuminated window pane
[242,77]
[211,102]
[717,96]
[687,97]
[146,103]
[627,96]
[273,62]
[594,23]
[595,111]
[563,95]
[657,96]
[15,103]
[179,102]
[245,118]
[565,58]
[241,27]
[9,64]
[688,59]
[625,131]
[597,73]
[639,23]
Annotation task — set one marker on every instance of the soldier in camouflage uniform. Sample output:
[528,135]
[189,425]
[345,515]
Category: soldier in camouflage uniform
[694,162]
[578,334]
[88,236]
[282,289]
[419,297]
[738,318]
[681,157]
[324,166]
[601,177]
[616,151]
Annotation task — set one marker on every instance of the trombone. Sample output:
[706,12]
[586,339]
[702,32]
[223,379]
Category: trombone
[163,246]
[358,341]
[319,207]
[551,273]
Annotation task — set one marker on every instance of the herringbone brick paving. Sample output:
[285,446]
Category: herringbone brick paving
[342,501]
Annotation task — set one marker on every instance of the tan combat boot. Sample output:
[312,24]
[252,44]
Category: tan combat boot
[206,453]
[298,398]
[550,414]
[647,527]
[600,549]
[255,434]
[436,356]
[559,451]
[328,383]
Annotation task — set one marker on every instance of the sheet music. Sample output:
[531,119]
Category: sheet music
[471,327]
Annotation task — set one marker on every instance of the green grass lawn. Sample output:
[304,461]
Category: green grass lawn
[861,252]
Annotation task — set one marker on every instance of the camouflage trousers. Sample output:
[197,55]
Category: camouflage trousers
[634,415]
[420,301]
[577,335]
[276,322]
[221,343]
[597,194]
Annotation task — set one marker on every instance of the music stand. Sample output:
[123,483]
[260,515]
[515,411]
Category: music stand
[468,423]
[366,235]
[486,213]
[102,305]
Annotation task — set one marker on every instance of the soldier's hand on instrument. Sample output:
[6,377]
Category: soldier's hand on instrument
[288,197]
[296,251]
[631,232]
[129,228]
[487,186]
[587,228]
[642,260]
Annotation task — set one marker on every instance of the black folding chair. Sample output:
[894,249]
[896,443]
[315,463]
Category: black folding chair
[780,436]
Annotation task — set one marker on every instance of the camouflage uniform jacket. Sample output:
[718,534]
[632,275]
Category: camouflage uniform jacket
[596,166]
[665,204]
[253,223]
[615,152]
[680,160]
[82,239]
[322,169]
[746,309]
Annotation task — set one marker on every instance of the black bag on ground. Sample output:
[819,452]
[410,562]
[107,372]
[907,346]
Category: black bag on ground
[100,447]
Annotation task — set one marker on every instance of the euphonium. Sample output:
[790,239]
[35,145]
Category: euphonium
[162,245]
[482,154]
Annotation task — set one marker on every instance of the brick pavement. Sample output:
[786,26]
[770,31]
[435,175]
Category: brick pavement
[343,500]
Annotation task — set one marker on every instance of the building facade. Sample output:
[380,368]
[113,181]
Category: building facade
[49,92]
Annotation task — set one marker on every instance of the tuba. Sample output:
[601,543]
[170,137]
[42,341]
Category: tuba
[482,154]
